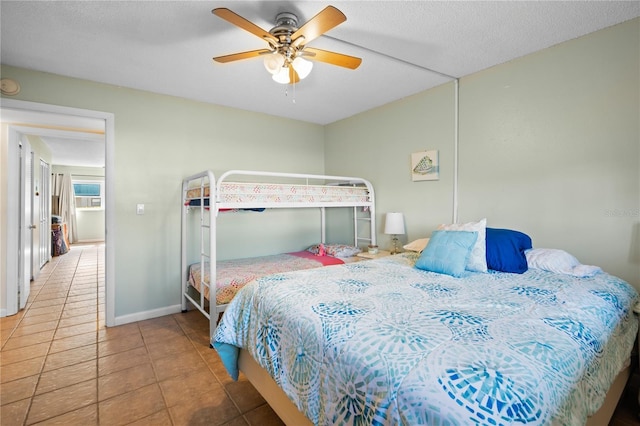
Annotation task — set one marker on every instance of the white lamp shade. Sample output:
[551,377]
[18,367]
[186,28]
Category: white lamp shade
[302,67]
[282,76]
[394,224]
[273,62]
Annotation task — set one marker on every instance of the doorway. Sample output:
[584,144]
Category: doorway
[28,118]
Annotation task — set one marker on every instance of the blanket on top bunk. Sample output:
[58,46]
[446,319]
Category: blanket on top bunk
[241,192]
[231,275]
[381,342]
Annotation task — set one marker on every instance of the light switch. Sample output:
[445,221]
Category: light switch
[140,209]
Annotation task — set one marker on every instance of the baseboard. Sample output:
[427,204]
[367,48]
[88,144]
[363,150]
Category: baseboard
[81,242]
[145,315]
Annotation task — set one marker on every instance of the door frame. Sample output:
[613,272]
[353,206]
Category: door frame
[109,136]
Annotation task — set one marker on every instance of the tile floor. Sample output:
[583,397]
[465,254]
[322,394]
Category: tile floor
[59,364]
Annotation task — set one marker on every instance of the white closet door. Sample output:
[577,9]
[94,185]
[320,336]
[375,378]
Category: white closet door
[44,199]
[26,222]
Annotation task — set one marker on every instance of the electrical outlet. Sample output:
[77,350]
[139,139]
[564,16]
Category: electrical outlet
[140,209]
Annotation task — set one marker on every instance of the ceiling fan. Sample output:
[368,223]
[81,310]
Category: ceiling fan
[287,53]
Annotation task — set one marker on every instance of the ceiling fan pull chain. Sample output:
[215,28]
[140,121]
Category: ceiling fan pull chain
[286,92]
[293,101]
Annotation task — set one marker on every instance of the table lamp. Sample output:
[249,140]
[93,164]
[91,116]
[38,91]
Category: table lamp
[394,225]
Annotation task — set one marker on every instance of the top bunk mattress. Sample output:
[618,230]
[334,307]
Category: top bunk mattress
[274,193]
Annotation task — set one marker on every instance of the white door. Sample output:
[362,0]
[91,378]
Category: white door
[26,222]
[44,197]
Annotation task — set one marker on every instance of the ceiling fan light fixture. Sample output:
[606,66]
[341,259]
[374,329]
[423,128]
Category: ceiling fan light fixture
[302,67]
[287,42]
[282,76]
[273,62]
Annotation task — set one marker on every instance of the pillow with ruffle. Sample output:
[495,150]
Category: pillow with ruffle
[335,250]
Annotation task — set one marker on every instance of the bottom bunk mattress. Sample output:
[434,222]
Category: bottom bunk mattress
[231,275]
[381,342]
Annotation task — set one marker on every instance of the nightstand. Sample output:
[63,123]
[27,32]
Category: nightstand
[378,255]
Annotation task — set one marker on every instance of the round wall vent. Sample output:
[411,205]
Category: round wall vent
[9,87]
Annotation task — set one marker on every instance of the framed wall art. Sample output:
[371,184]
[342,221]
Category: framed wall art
[425,166]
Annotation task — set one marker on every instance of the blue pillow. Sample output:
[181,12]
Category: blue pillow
[447,252]
[505,250]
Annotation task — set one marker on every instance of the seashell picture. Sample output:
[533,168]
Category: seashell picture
[424,166]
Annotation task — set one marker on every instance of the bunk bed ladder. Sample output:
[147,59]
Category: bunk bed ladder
[206,251]
[369,217]
[368,240]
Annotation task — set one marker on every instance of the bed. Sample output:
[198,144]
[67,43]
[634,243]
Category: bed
[383,342]
[233,274]
[204,198]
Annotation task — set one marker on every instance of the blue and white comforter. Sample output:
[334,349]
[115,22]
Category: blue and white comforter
[381,342]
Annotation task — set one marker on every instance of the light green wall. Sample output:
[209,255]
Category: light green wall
[549,144]
[158,141]
[41,152]
[90,224]
[377,146]
[88,173]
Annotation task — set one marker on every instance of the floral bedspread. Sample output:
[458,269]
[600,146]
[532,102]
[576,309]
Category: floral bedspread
[381,342]
[232,275]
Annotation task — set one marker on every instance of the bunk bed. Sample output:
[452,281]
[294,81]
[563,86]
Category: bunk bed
[384,342]
[204,198]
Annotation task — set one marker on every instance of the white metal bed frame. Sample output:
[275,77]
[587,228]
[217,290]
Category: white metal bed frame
[208,252]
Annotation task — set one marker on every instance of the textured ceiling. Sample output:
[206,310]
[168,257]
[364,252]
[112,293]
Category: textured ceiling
[166,47]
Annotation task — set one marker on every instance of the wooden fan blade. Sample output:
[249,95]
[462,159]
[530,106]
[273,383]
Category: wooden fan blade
[242,55]
[332,58]
[243,23]
[293,75]
[328,18]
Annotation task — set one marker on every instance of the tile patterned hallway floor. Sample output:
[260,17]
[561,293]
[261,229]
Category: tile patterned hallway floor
[59,364]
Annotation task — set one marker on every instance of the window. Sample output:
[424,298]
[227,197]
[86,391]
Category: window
[89,194]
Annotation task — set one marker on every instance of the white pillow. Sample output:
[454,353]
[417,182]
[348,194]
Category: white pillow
[417,245]
[552,260]
[478,257]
